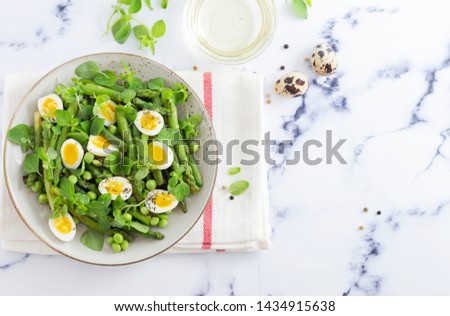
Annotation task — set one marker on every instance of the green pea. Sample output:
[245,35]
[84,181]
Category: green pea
[107,173]
[162,216]
[43,199]
[88,158]
[124,245]
[194,147]
[163,223]
[87,175]
[110,240]
[144,210]
[151,185]
[154,221]
[92,195]
[118,238]
[37,186]
[116,247]
[112,129]
[73,178]
[96,163]
[127,217]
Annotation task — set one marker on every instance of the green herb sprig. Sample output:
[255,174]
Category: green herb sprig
[301,7]
[122,27]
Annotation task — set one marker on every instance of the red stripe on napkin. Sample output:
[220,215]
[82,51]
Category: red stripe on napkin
[207,215]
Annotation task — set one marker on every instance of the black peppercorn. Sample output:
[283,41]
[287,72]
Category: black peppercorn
[286,46]
[231,197]
[282,68]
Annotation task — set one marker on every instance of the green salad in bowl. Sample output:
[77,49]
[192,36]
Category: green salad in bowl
[109,151]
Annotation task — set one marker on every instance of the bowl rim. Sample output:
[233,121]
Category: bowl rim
[21,103]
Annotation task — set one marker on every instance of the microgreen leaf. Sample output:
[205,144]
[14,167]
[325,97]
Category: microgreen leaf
[300,8]
[135,6]
[164,3]
[106,78]
[308,2]
[234,170]
[63,118]
[136,83]
[181,191]
[156,84]
[31,163]
[87,70]
[67,189]
[158,29]
[93,239]
[121,30]
[238,187]
[51,154]
[127,2]
[140,31]
[180,93]
[148,4]
[141,174]
[19,133]
[97,126]
[128,95]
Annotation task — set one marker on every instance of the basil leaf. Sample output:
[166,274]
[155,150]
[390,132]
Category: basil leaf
[135,6]
[158,29]
[19,132]
[140,31]
[87,70]
[181,191]
[141,174]
[300,8]
[92,239]
[156,84]
[164,3]
[67,189]
[97,126]
[233,171]
[63,118]
[140,227]
[31,163]
[121,30]
[103,223]
[106,78]
[238,187]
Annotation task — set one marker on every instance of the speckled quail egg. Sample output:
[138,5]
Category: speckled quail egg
[323,60]
[71,153]
[292,84]
[149,122]
[160,155]
[100,146]
[63,227]
[48,105]
[116,186]
[107,111]
[160,201]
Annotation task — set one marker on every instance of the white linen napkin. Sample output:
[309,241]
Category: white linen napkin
[235,102]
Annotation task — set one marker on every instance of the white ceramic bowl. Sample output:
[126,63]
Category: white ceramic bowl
[36,215]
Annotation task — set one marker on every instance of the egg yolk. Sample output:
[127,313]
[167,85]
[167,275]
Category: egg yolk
[49,107]
[100,142]
[157,154]
[114,187]
[70,154]
[108,111]
[62,225]
[149,121]
[164,199]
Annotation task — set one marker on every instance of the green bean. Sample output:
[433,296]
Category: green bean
[112,138]
[94,171]
[94,90]
[195,171]
[37,129]
[145,219]
[158,176]
[122,123]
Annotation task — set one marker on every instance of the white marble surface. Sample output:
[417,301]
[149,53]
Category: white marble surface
[390,99]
